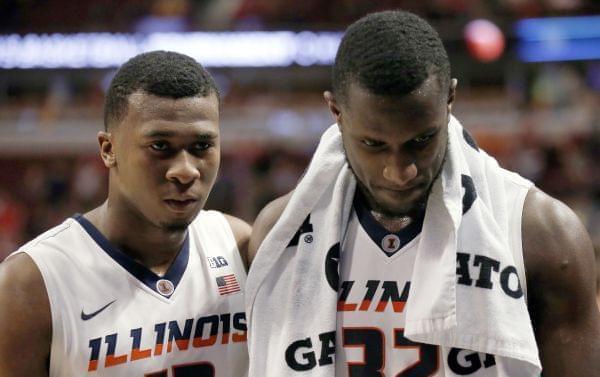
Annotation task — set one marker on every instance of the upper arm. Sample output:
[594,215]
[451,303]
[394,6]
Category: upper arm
[241,231]
[559,261]
[265,220]
[25,319]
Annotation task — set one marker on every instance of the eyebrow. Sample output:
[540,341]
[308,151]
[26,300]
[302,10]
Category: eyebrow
[205,135]
[429,131]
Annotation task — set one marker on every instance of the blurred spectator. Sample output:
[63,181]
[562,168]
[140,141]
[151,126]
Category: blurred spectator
[12,223]
[544,131]
[178,15]
[164,16]
[88,182]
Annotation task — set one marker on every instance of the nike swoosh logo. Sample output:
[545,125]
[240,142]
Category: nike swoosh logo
[85,316]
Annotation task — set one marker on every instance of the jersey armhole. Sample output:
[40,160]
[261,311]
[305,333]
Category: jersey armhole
[55,320]
[517,239]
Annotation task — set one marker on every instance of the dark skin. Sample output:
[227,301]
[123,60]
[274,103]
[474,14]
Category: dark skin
[383,138]
[559,263]
[395,166]
[163,159]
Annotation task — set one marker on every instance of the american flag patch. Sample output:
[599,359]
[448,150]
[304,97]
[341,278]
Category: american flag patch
[227,284]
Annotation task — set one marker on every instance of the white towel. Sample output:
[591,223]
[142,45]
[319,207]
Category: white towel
[291,306]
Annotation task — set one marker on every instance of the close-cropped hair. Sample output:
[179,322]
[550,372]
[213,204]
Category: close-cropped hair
[389,53]
[160,73]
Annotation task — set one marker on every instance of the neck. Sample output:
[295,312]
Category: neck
[392,224]
[148,244]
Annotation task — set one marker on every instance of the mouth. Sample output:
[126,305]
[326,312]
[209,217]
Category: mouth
[401,190]
[403,196]
[181,205]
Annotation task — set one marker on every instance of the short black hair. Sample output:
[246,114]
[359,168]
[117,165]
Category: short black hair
[389,53]
[161,73]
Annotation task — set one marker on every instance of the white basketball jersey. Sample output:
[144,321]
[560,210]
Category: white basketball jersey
[375,271]
[113,317]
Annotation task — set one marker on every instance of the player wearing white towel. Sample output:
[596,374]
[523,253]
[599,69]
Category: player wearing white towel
[148,283]
[392,98]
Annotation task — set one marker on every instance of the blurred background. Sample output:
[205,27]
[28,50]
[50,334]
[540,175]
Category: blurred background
[528,72]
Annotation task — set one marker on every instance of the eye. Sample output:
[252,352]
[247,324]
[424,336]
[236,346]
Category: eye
[422,139]
[372,143]
[159,146]
[201,146]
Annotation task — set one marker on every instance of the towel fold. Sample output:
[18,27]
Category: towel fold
[465,288]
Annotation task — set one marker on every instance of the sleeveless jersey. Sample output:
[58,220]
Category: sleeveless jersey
[113,317]
[375,271]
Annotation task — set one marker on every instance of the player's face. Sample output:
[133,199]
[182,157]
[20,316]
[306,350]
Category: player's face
[167,155]
[395,145]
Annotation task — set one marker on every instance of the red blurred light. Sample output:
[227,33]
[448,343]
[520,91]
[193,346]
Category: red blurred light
[485,40]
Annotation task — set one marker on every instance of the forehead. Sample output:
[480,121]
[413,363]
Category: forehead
[146,112]
[423,107]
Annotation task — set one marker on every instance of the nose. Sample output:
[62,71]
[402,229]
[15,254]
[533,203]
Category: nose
[184,169]
[399,170]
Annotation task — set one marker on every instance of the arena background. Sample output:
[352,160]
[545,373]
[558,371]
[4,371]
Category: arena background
[529,83]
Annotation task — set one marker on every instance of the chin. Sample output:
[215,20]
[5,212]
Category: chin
[176,226]
[179,221]
[395,209]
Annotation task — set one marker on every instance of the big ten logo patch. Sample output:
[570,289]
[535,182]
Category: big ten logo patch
[217,262]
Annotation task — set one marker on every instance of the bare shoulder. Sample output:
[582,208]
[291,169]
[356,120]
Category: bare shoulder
[241,231]
[555,242]
[265,221]
[25,323]
[559,264]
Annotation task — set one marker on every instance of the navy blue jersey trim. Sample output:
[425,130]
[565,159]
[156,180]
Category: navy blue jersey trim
[142,273]
[377,232]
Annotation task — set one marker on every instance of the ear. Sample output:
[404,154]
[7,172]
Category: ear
[105,139]
[333,106]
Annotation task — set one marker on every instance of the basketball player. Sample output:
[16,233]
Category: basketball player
[392,98]
[148,283]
